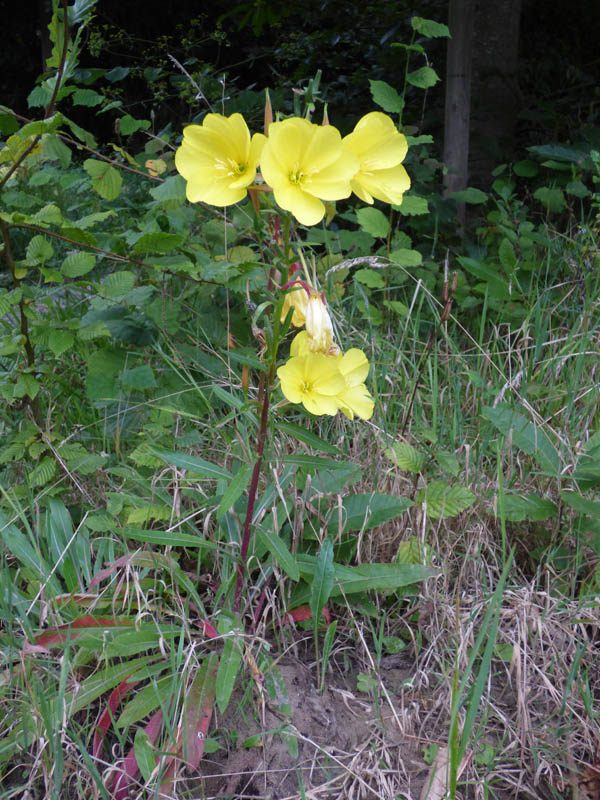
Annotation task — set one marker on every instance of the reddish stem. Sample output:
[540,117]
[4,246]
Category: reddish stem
[262,435]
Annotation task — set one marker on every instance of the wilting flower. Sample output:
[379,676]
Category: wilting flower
[310,380]
[304,164]
[218,159]
[380,149]
[296,298]
[354,397]
[319,329]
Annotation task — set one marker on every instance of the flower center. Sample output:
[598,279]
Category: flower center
[306,387]
[296,174]
[230,167]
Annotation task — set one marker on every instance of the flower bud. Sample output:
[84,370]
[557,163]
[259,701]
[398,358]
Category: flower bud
[318,325]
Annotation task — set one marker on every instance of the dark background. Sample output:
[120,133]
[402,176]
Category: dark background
[277,44]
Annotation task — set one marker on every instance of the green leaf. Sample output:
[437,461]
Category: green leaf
[412,206]
[77,264]
[26,385]
[370,278]
[429,28]
[106,180]
[145,754]
[322,582]
[229,666]
[193,464]
[577,189]
[423,78]
[158,242]
[529,438]
[117,284]
[129,125]
[87,97]
[518,508]
[309,438]
[377,577]
[39,250]
[507,255]
[442,500]
[60,340]
[141,377]
[552,198]
[368,510]
[26,555]
[373,221]
[448,462]
[55,148]
[470,195]
[526,168]
[386,97]
[171,191]
[581,504]
[397,307]
[168,538]
[235,489]
[404,257]
[158,693]
[405,456]
[280,552]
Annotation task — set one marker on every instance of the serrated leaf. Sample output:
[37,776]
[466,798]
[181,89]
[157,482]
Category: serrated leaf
[404,257]
[448,462]
[405,456]
[423,78]
[429,28]
[442,500]
[141,516]
[43,473]
[117,284]
[39,250]
[106,180]
[158,242]
[171,191]
[386,97]
[60,340]
[518,508]
[370,278]
[87,97]
[413,206]
[78,264]
[373,221]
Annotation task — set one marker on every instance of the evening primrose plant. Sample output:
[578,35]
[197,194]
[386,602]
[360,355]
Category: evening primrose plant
[296,167]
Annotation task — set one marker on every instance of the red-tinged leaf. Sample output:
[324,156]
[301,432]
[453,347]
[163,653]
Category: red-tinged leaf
[73,630]
[208,629]
[303,613]
[123,561]
[108,714]
[193,730]
[128,768]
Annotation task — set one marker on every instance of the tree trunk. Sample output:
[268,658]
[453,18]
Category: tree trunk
[458,98]
[495,89]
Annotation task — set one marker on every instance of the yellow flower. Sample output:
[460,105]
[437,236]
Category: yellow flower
[354,397]
[380,148]
[296,298]
[218,159]
[318,325]
[312,380]
[304,164]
